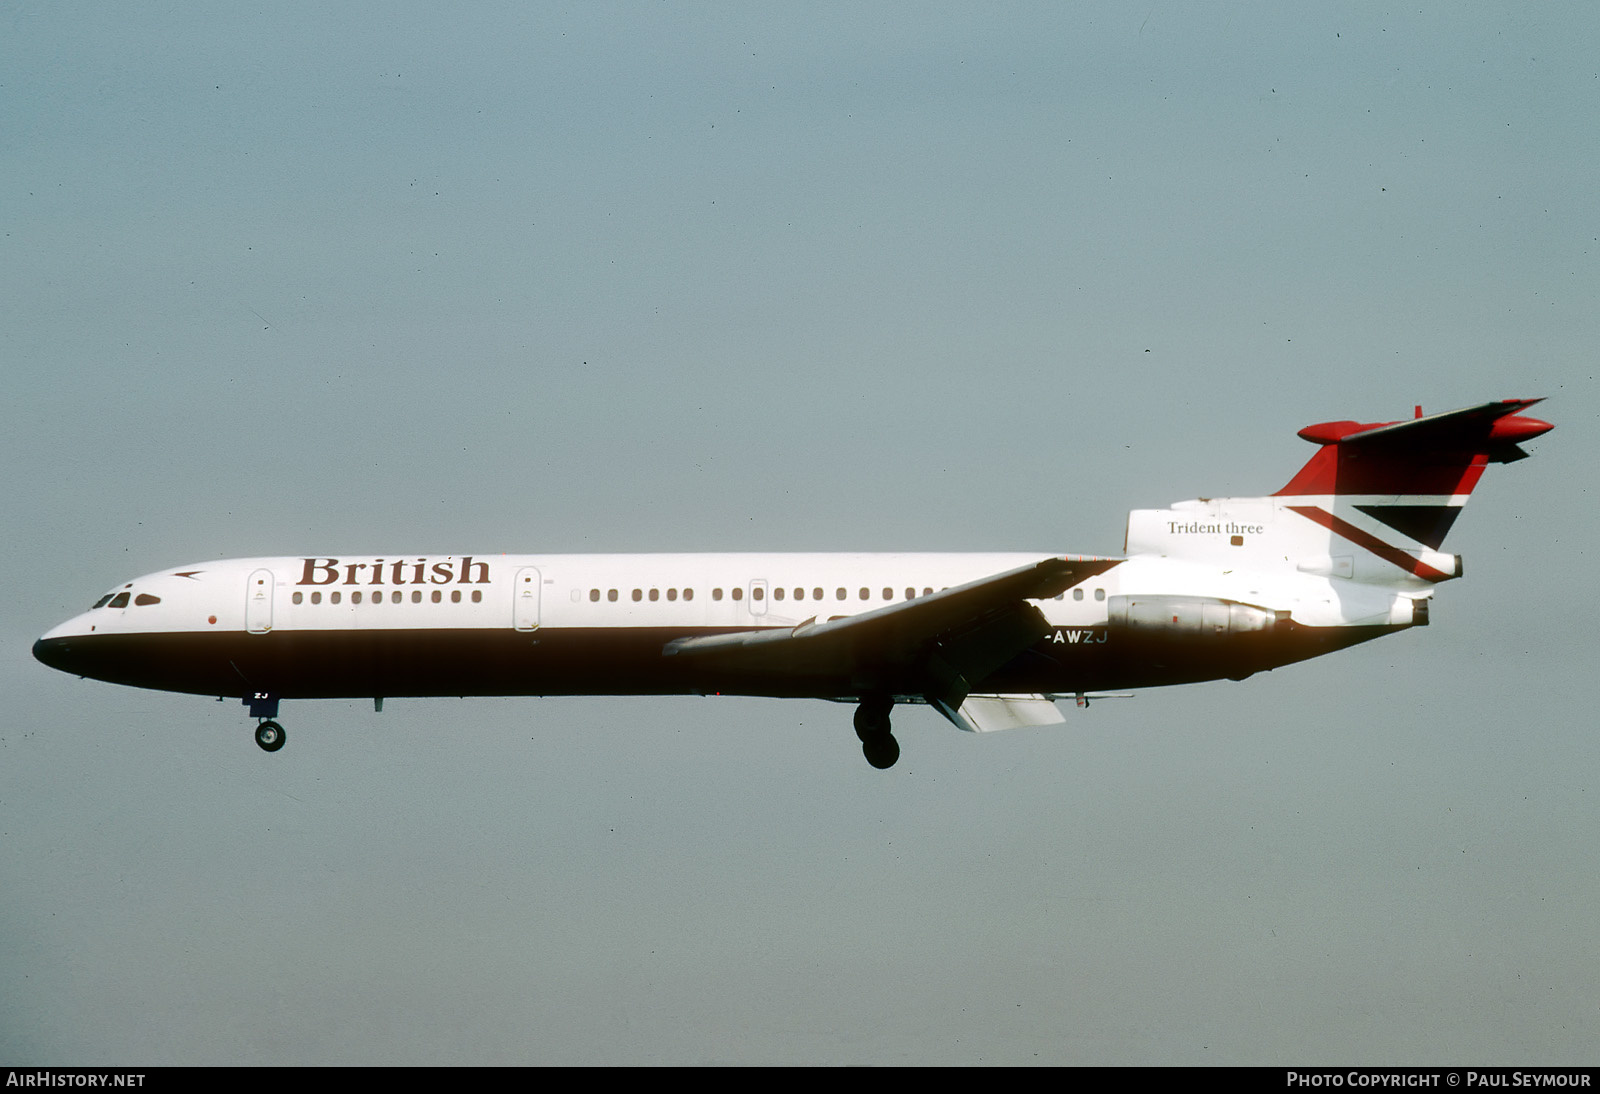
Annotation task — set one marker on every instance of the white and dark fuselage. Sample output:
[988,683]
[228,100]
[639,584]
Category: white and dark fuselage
[419,625]
[1349,550]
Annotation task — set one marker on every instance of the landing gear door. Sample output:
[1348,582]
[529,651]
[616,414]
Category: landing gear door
[525,611]
[258,603]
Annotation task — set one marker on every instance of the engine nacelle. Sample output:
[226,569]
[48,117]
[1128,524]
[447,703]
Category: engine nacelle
[1175,616]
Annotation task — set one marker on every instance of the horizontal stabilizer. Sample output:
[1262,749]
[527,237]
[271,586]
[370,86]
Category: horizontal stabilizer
[1442,455]
[1491,423]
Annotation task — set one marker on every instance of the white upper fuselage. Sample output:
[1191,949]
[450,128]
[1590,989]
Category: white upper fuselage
[691,591]
[655,591]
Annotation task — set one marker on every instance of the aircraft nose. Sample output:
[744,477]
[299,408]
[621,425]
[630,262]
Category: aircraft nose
[61,647]
[54,652]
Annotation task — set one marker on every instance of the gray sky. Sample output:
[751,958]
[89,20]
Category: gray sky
[679,277]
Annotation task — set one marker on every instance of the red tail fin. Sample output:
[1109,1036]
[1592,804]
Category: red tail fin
[1414,474]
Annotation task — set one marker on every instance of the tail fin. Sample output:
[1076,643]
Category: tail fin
[1372,506]
[1413,476]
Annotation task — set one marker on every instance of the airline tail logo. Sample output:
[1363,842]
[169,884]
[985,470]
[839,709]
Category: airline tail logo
[1431,566]
[1413,476]
[1373,505]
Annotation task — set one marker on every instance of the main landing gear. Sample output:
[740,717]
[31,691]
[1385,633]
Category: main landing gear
[872,726]
[270,736]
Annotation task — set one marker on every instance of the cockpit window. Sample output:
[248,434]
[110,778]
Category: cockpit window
[119,601]
[102,602]
[145,598]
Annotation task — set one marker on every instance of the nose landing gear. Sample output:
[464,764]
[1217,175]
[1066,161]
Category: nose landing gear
[873,728]
[270,736]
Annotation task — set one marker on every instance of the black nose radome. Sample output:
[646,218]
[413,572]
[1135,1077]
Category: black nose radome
[52,652]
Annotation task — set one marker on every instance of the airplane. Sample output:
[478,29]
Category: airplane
[1347,551]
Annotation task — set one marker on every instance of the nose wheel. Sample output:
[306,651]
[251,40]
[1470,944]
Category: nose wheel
[873,728]
[270,736]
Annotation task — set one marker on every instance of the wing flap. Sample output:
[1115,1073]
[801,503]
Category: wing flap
[992,713]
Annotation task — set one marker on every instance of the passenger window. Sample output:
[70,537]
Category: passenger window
[333,597]
[927,592]
[655,594]
[911,594]
[672,594]
[888,594]
[1099,594]
[394,597]
[295,599]
[865,593]
[638,595]
[477,596]
[1077,594]
[611,595]
[455,596]
[316,598]
[738,594]
[777,594]
[816,594]
[758,593]
[355,598]
[840,594]
[416,596]
[688,594]
[594,596]
[716,594]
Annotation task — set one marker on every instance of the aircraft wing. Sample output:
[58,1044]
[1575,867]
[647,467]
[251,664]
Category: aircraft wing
[936,647]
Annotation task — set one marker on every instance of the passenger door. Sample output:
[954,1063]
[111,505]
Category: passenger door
[258,603]
[525,610]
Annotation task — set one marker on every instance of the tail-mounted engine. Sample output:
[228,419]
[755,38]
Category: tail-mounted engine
[1185,616]
[1175,639]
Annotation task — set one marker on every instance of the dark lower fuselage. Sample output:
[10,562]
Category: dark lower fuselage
[315,664]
